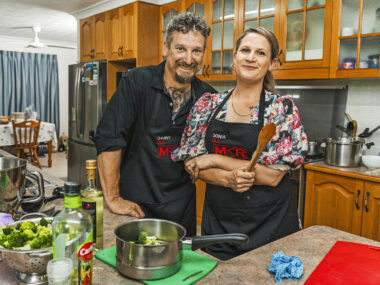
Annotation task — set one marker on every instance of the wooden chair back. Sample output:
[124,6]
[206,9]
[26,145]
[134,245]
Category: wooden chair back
[26,134]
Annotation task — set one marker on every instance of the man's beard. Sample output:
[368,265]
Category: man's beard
[187,79]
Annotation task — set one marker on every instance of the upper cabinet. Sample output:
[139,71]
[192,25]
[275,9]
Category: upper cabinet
[167,12]
[93,38]
[223,20]
[356,39]
[305,39]
[132,30]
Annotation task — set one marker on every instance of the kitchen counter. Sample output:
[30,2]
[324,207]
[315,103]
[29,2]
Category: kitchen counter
[361,172]
[310,244]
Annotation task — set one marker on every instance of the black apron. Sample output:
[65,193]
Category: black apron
[264,213]
[161,187]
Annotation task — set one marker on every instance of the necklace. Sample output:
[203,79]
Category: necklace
[236,112]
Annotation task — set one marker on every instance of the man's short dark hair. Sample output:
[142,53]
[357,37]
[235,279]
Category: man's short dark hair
[185,23]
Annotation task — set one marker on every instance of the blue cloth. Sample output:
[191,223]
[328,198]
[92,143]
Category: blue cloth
[284,266]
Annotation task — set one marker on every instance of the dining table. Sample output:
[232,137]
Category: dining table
[47,134]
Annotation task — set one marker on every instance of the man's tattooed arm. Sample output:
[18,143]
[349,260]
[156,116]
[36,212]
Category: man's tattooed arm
[179,98]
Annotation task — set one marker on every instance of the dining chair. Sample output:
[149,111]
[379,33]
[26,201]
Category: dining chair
[25,135]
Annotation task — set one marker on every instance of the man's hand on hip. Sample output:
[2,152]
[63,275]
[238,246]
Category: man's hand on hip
[124,207]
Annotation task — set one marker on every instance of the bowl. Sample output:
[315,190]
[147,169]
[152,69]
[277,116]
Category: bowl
[371,161]
[29,265]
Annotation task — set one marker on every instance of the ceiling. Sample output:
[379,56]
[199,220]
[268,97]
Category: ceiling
[53,16]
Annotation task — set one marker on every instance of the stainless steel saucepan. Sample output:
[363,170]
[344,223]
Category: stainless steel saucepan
[12,179]
[150,262]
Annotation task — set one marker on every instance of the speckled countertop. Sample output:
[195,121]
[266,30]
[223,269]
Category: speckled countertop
[311,245]
[361,172]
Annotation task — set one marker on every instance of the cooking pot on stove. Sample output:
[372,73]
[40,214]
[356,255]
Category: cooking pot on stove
[315,148]
[152,262]
[344,151]
[12,179]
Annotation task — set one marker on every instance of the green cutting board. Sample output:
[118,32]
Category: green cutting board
[194,267]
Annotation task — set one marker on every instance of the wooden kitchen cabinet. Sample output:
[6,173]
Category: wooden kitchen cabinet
[132,33]
[93,38]
[344,203]
[167,12]
[355,43]
[305,39]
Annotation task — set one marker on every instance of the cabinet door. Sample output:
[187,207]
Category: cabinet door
[305,34]
[371,211]
[128,29]
[333,201]
[224,30]
[199,8]
[114,34]
[86,39]
[167,12]
[356,39]
[100,32]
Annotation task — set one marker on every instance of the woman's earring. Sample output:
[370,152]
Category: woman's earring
[233,66]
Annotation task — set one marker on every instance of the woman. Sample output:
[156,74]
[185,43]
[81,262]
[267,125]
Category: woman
[221,137]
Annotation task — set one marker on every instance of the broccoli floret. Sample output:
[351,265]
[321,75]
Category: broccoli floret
[7,230]
[41,242]
[18,226]
[43,222]
[29,234]
[142,237]
[28,225]
[15,239]
[147,240]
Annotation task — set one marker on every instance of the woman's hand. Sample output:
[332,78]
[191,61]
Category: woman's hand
[240,180]
[194,165]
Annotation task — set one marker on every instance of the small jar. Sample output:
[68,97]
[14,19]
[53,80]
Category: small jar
[373,61]
[348,63]
[363,64]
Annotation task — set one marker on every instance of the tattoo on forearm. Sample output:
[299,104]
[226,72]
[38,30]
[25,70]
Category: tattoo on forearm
[179,98]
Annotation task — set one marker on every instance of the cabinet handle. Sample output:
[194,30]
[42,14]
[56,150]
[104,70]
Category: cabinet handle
[203,70]
[121,50]
[366,202]
[357,200]
[280,57]
[208,70]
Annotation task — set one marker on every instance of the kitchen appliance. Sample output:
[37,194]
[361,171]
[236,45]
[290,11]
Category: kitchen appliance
[87,101]
[12,180]
[150,262]
[35,207]
[29,265]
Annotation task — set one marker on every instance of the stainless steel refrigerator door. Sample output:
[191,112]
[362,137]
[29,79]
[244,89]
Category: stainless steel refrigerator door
[75,91]
[78,154]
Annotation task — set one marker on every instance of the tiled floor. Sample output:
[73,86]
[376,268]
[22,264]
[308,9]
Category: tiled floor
[59,167]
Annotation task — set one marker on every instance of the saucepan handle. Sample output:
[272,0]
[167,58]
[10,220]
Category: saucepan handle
[41,187]
[202,241]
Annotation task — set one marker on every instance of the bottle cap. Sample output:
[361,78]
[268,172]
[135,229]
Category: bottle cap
[72,189]
[91,164]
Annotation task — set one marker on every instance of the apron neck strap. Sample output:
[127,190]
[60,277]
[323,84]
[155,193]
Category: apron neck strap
[261,106]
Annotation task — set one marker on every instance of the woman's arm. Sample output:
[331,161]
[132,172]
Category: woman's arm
[237,179]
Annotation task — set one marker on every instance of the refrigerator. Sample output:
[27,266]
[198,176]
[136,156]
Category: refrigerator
[87,101]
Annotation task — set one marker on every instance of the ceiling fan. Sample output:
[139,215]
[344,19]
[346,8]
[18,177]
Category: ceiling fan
[37,44]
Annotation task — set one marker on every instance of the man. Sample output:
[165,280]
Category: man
[144,122]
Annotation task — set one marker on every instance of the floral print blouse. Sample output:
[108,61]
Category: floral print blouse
[286,150]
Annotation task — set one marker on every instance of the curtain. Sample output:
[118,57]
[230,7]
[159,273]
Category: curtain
[29,79]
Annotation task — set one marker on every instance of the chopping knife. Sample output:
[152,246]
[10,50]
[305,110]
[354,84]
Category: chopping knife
[265,135]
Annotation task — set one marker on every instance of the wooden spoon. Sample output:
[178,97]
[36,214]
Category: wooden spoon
[265,135]
[355,127]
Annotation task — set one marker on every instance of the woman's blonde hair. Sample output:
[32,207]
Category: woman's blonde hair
[269,83]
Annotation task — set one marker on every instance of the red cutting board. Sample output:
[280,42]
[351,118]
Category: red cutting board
[348,263]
